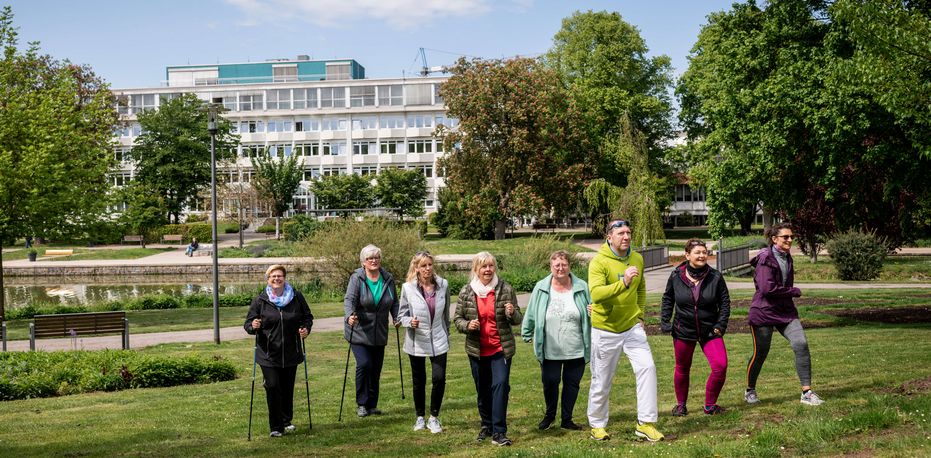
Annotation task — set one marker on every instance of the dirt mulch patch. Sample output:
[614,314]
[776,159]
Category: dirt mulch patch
[913,387]
[891,315]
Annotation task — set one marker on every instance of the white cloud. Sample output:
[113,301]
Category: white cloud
[398,14]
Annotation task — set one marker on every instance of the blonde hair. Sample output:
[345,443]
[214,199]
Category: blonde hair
[418,258]
[275,267]
[479,260]
[559,254]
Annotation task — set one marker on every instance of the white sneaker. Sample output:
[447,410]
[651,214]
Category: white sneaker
[419,424]
[812,399]
[290,429]
[434,425]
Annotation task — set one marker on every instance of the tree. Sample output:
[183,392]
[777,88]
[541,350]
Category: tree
[343,191]
[172,156]
[56,131]
[516,140]
[278,180]
[144,210]
[402,189]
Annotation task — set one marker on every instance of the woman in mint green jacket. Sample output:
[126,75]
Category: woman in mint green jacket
[557,321]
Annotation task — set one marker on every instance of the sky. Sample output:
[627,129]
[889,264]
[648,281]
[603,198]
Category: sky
[130,42]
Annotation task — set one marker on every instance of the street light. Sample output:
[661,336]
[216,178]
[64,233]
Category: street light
[212,128]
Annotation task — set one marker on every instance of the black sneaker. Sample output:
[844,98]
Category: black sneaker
[570,425]
[545,423]
[374,411]
[500,440]
[714,410]
[680,410]
[362,412]
[483,434]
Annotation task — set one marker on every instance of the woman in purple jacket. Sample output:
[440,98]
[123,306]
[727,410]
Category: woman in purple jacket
[772,309]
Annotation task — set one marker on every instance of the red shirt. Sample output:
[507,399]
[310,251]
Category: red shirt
[490,341]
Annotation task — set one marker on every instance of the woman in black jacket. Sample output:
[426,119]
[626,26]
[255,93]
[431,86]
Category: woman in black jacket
[279,318]
[370,296]
[696,307]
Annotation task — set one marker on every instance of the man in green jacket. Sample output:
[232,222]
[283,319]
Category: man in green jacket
[619,292]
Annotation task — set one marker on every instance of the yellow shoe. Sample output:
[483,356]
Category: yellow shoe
[599,434]
[648,431]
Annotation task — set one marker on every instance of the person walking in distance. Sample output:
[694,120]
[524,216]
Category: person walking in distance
[618,289]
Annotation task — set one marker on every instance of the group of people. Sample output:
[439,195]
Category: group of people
[570,323]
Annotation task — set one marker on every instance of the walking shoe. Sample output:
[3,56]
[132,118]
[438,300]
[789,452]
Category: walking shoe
[290,429]
[713,409]
[680,410]
[570,425]
[275,434]
[751,397]
[419,424]
[374,411]
[545,423]
[599,434]
[648,431]
[362,412]
[434,425]
[500,440]
[483,434]
[810,398]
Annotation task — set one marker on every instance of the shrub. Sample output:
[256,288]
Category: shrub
[154,302]
[857,255]
[203,232]
[195,218]
[337,245]
[266,228]
[299,227]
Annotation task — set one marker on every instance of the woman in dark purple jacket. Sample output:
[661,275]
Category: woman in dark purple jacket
[772,308]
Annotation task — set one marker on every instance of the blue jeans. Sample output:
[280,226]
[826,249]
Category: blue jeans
[369,360]
[492,376]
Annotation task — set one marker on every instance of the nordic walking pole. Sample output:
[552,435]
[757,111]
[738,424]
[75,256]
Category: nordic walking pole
[346,372]
[252,394]
[310,424]
[400,368]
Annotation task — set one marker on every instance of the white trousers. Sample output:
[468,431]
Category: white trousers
[606,350]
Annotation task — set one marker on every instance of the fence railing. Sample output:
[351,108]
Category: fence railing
[733,257]
[654,256]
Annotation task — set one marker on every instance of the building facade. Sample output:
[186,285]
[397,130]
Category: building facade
[324,112]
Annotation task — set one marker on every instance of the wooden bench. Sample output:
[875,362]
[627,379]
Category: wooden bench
[132,238]
[59,252]
[538,226]
[172,238]
[78,324]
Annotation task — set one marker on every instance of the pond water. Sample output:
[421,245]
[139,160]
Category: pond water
[45,291]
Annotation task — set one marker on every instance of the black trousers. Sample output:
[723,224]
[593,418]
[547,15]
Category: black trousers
[369,360]
[279,394]
[570,371]
[492,375]
[438,377]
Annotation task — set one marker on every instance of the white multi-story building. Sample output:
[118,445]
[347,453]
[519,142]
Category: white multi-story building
[325,112]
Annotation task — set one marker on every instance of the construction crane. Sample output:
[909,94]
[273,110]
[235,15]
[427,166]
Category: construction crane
[427,70]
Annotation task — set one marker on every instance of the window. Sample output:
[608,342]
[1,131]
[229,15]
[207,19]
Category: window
[327,171]
[305,98]
[448,122]
[280,125]
[251,127]
[392,122]
[165,98]
[311,174]
[307,125]
[390,146]
[334,148]
[366,170]
[120,179]
[364,122]
[280,150]
[137,129]
[362,96]
[436,94]
[427,170]
[331,97]
[122,154]
[420,121]
[337,71]
[284,73]
[418,94]
[363,148]
[686,193]
[122,104]
[390,95]
[333,124]
[252,151]
[420,146]
[250,102]
[307,149]
[228,100]
[142,102]
[279,99]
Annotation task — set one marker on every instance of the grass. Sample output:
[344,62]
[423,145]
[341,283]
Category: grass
[865,414]
[895,269]
[86,254]
[263,248]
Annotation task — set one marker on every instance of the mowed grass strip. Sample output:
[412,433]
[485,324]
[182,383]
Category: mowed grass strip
[859,370]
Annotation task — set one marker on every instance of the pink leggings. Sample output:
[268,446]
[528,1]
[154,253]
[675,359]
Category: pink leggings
[717,357]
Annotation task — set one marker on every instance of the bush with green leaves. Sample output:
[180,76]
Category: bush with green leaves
[336,245]
[266,228]
[25,375]
[202,231]
[299,227]
[857,255]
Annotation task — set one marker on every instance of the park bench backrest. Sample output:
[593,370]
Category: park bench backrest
[82,323]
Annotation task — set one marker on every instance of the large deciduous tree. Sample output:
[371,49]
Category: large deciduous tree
[172,155]
[56,132]
[516,141]
[343,192]
[277,179]
[402,189]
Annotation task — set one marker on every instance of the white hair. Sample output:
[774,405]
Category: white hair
[368,252]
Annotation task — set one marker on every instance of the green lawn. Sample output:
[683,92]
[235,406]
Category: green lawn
[860,371]
[264,248]
[898,269]
[85,254]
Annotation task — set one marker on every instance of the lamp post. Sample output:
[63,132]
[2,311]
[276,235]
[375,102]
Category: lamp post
[212,128]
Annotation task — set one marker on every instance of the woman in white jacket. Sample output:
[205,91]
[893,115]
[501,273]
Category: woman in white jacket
[424,311]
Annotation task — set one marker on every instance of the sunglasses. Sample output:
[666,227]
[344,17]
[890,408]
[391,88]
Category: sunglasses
[786,237]
[618,223]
